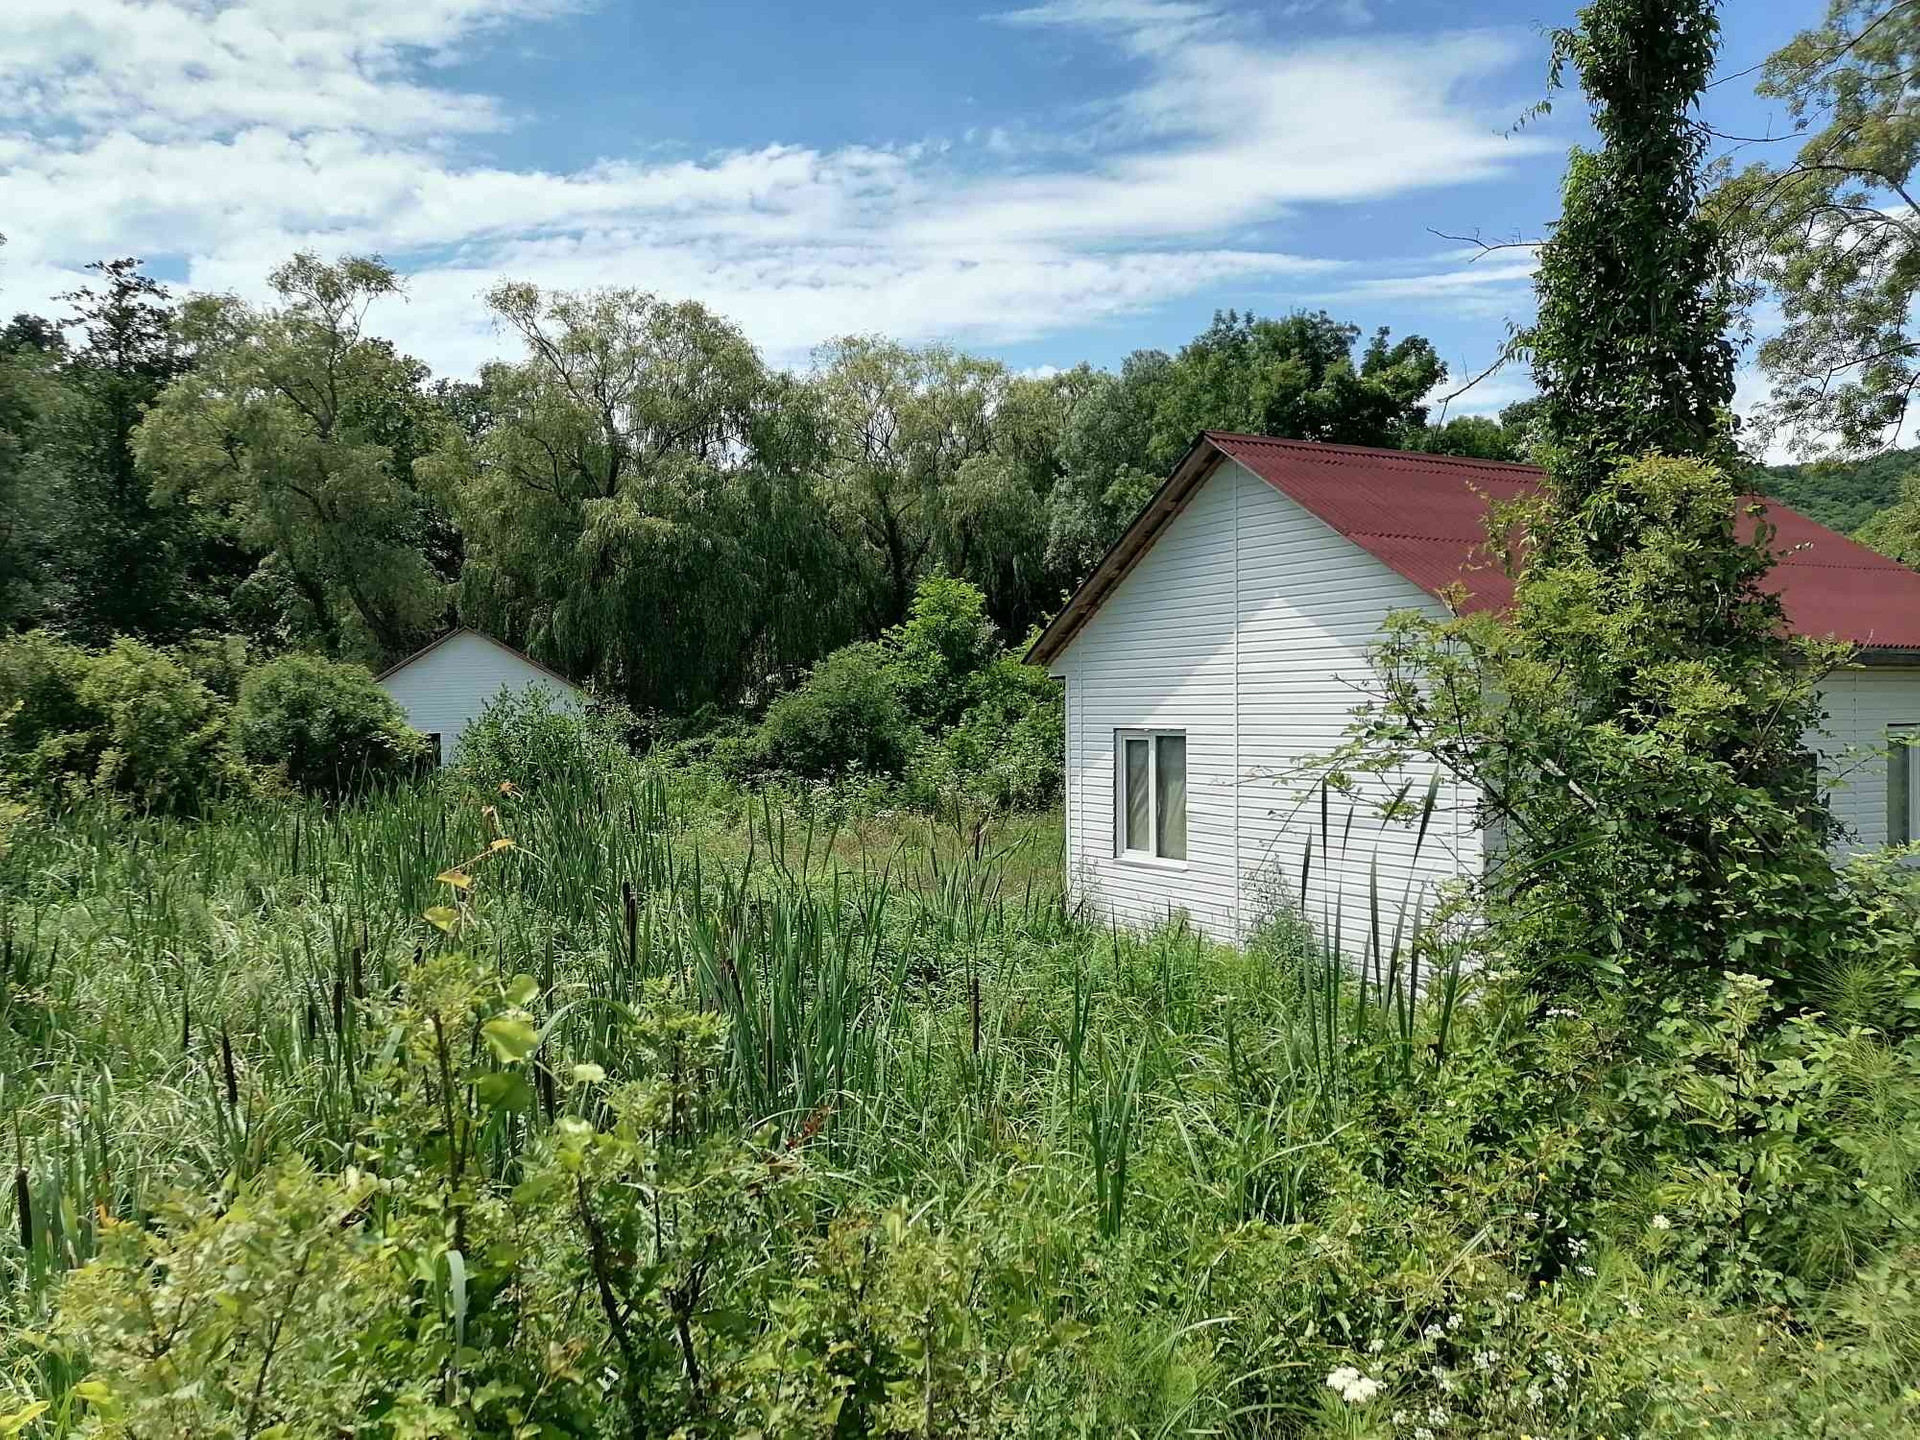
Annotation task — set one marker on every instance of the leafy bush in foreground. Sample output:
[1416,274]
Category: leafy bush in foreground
[323,726]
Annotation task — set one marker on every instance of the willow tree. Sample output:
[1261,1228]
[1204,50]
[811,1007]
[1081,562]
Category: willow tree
[298,429]
[636,501]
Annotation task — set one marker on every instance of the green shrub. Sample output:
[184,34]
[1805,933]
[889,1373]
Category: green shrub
[39,695]
[129,721]
[219,662]
[936,701]
[322,726]
[847,716]
[1008,749]
[533,736]
[935,653]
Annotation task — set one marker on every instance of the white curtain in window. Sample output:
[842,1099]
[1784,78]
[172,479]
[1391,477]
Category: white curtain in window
[1135,837]
[1170,797]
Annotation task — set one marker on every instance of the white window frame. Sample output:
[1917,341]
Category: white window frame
[1152,737]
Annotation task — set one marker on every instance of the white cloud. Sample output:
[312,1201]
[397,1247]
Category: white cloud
[223,134]
[183,67]
[1486,286]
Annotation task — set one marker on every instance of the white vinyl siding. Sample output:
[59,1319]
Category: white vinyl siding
[444,690]
[1158,655]
[1865,707]
[1246,626]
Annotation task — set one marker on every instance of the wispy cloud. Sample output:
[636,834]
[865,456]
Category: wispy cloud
[225,133]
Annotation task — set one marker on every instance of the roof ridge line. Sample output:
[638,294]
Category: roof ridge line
[1323,447]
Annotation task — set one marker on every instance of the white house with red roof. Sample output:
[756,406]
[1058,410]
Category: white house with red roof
[1223,642]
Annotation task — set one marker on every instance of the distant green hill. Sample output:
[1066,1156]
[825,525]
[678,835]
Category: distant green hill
[1842,495]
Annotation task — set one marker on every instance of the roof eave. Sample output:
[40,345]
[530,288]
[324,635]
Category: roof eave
[1168,501]
[1902,657]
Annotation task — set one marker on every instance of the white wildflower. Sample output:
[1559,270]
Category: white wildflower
[1432,1332]
[1660,1222]
[1376,1345]
[1352,1386]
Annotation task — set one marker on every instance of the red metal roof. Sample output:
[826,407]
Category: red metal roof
[1425,517]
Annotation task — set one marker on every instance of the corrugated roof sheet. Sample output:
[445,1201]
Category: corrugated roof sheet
[1424,515]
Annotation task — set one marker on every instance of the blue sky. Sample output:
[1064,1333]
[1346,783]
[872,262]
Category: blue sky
[1047,181]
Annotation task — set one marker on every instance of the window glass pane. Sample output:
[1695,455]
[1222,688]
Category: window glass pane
[1913,788]
[1135,836]
[1900,763]
[1170,798]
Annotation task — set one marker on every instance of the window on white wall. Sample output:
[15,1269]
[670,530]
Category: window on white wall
[1150,800]
[1903,783]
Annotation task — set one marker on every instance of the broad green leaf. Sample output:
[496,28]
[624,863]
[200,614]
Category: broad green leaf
[521,990]
[459,879]
[510,1038]
[504,1090]
[443,917]
[538,1189]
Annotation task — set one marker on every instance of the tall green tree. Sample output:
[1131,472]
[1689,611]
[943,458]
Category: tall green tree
[902,426]
[1834,232]
[1109,463]
[1631,347]
[637,502]
[29,396]
[298,429]
[126,558]
[1635,724]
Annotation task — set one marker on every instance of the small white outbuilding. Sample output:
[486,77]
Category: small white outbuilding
[1223,643]
[444,687]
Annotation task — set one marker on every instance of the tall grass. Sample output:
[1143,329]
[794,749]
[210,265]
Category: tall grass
[183,1002]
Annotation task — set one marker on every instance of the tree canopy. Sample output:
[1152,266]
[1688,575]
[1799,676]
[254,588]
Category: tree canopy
[635,503]
[1631,347]
[298,430]
[1833,233]
[635,496]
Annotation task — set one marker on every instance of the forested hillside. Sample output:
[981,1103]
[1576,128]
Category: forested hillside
[1842,495]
